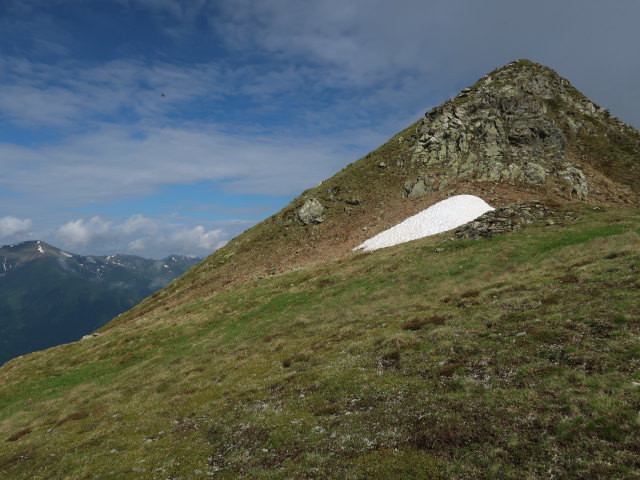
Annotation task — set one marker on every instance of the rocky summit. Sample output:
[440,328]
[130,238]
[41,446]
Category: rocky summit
[504,349]
[503,129]
[516,124]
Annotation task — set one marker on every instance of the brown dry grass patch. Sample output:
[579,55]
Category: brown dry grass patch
[18,435]
[72,417]
[419,322]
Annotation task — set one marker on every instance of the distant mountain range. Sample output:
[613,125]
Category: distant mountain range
[49,296]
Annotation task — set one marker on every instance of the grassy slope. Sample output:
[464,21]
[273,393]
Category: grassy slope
[512,357]
[364,199]
[280,242]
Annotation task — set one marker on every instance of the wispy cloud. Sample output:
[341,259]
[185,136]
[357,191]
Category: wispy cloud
[36,94]
[196,239]
[441,44]
[181,10]
[113,164]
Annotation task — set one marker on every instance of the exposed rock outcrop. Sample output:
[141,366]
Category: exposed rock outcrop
[505,128]
[503,220]
[417,188]
[311,212]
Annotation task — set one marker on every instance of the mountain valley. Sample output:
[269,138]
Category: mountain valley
[49,296]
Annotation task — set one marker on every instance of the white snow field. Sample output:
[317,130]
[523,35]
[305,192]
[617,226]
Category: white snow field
[438,218]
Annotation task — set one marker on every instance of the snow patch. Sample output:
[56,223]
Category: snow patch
[40,248]
[438,218]
[68,255]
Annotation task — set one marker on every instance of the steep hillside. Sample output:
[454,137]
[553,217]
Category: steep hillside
[506,349]
[49,297]
[510,357]
[520,133]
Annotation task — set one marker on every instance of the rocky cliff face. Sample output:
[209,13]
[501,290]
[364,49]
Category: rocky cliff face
[513,125]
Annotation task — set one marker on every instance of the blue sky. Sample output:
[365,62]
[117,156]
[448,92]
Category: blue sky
[170,126]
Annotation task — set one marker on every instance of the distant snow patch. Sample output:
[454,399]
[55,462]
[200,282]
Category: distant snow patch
[438,218]
[40,248]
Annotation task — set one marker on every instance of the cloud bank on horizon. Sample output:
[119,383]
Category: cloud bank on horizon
[169,126]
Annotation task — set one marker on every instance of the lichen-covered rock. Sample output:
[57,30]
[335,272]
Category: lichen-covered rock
[311,212]
[503,220]
[503,129]
[416,188]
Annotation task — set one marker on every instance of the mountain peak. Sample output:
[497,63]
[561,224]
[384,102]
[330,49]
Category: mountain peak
[526,65]
[31,247]
[518,124]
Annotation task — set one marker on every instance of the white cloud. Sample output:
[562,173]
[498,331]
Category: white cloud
[80,232]
[136,223]
[154,235]
[136,245]
[10,226]
[196,239]
[143,235]
[112,165]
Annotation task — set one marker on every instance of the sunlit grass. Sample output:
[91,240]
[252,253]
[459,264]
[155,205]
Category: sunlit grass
[511,357]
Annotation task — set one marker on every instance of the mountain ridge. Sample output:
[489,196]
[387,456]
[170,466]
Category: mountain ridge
[49,296]
[379,190]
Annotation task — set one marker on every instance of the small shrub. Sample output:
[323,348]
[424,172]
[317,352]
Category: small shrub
[271,336]
[391,359]
[415,324]
[450,369]
[569,279]
[470,294]
[298,357]
[325,282]
[418,322]
[329,409]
